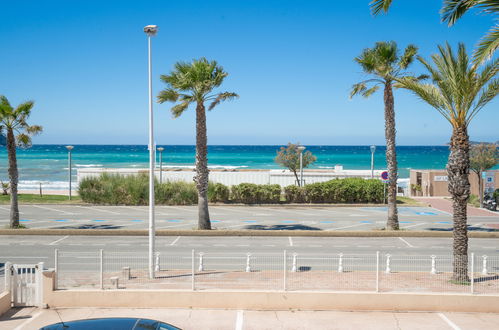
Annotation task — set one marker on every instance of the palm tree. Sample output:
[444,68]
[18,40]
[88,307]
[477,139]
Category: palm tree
[459,90]
[194,83]
[13,124]
[385,65]
[453,10]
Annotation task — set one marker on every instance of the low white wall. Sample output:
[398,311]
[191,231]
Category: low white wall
[4,302]
[229,178]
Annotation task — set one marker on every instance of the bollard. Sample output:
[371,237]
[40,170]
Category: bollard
[126,273]
[340,264]
[484,265]
[248,267]
[293,268]
[156,266]
[201,266]
[388,270]
[433,265]
[115,282]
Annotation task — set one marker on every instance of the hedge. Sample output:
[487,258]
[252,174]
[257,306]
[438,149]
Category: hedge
[134,190]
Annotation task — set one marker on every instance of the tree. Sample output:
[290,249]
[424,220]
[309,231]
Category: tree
[451,11]
[193,83]
[385,65]
[459,90]
[483,157]
[18,132]
[289,157]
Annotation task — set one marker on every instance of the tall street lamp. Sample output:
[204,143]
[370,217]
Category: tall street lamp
[151,31]
[300,149]
[161,149]
[373,149]
[69,168]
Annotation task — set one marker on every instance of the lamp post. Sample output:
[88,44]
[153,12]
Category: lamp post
[69,169]
[161,149]
[373,149]
[151,31]
[300,149]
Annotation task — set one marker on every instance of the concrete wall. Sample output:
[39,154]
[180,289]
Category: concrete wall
[268,300]
[4,302]
[434,182]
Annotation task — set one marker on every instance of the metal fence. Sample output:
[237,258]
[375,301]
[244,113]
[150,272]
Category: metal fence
[281,271]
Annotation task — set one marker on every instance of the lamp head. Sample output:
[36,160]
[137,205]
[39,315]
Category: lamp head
[300,148]
[373,149]
[69,148]
[160,149]
[151,30]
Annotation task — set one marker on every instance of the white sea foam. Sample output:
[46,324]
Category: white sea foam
[227,167]
[46,185]
[88,165]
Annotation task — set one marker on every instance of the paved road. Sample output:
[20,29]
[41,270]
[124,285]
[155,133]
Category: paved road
[240,217]
[31,318]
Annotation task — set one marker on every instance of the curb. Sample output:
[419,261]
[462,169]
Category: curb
[277,233]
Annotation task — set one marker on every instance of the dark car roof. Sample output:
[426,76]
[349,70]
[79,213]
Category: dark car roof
[112,323]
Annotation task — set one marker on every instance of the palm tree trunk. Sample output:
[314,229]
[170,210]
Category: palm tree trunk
[201,178]
[459,188]
[14,177]
[391,158]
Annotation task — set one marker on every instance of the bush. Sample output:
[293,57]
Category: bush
[294,194]
[176,193]
[218,193]
[249,193]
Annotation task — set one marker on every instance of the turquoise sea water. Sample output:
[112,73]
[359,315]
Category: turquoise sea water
[48,163]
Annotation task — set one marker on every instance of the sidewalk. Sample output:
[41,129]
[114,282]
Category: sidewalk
[445,205]
[32,318]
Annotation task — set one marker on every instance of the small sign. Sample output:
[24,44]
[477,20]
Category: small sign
[441,178]
[384,175]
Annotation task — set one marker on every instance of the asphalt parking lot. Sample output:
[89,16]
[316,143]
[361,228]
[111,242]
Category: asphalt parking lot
[239,217]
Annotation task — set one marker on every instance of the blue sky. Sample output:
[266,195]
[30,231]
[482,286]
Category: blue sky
[85,65]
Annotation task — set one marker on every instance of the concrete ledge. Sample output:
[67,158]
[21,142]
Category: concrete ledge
[294,233]
[4,302]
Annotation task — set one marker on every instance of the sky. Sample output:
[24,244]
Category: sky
[84,63]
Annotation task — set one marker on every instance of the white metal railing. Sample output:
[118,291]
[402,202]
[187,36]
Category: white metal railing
[279,271]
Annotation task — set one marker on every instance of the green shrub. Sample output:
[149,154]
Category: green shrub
[176,193]
[294,194]
[249,193]
[349,190]
[218,193]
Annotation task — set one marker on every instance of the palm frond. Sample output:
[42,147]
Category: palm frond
[225,96]
[358,89]
[487,95]
[168,95]
[487,46]
[23,140]
[178,109]
[370,91]
[380,6]
[452,10]
[408,57]
[34,129]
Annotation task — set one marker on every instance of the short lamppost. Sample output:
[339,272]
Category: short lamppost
[69,169]
[151,31]
[161,149]
[373,149]
[300,149]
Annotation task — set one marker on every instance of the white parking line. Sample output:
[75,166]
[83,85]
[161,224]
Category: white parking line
[57,241]
[449,322]
[100,210]
[52,209]
[8,209]
[359,224]
[179,208]
[239,320]
[175,241]
[290,241]
[28,321]
[408,244]
[418,224]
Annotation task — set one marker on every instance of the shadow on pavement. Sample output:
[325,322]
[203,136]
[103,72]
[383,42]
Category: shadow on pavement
[90,227]
[282,227]
[470,228]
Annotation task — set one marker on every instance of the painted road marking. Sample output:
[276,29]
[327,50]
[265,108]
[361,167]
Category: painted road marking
[8,209]
[100,210]
[59,240]
[60,220]
[327,221]
[249,221]
[174,220]
[98,220]
[359,224]
[28,321]
[24,220]
[449,322]
[288,221]
[365,221]
[239,320]
[408,244]
[290,241]
[137,220]
[51,209]
[418,224]
[446,222]
[175,241]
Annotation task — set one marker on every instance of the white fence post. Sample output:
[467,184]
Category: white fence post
[157,265]
[101,275]
[388,270]
[340,263]
[8,273]
[293,268]
[377,271]
[433,265]
[248,266]
[201,266]
[56,268]
[285,269]
[193,285]
[39,284]
[484,265]
[472,273]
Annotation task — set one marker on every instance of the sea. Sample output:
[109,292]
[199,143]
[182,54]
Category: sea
[48,164]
